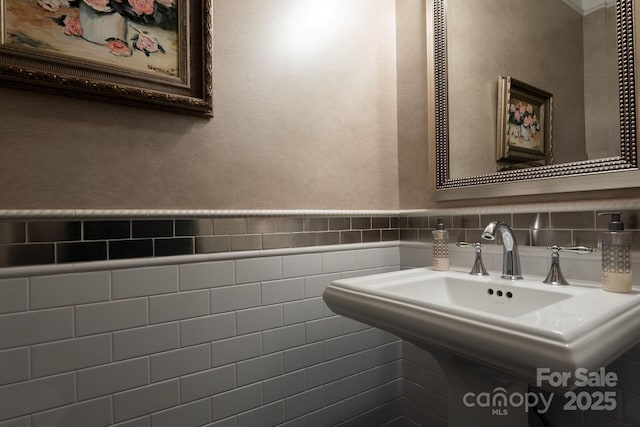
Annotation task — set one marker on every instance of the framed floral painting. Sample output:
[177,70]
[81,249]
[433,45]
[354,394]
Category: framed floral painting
[154,53]
[524,125]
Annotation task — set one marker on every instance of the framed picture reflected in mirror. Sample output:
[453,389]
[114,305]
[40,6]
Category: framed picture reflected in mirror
[524,125]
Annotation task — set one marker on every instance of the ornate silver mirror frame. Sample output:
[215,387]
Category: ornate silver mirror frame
[447,188]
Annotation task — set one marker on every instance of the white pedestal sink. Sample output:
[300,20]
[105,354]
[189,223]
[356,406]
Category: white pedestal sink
[510,327]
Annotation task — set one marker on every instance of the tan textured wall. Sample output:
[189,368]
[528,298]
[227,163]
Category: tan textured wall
[305,117]
[537,42]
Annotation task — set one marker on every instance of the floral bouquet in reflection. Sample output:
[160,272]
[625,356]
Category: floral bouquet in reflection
[522,114]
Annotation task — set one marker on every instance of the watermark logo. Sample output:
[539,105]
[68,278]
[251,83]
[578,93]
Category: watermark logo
[581,377]
[499,401]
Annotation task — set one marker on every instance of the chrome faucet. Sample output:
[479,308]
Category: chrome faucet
[510,256]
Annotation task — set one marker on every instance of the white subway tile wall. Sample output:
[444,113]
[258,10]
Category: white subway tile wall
[69,355]
[139,282]
[207,275]
[244,342]
[15,295]
[69,289]
[14,365]
[98,411]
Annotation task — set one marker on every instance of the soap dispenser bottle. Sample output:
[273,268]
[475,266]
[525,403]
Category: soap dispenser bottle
[440,247]
[616,256]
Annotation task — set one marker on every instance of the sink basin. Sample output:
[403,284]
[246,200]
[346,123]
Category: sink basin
[453,292]
[514,327]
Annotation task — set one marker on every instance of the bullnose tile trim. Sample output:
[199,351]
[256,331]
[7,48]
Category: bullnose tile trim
[171,213]
[27,214]
[50,269]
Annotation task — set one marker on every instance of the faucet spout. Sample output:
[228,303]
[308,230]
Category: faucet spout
[510,256]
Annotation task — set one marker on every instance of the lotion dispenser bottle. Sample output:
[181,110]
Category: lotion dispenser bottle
[440,247]
[616,256]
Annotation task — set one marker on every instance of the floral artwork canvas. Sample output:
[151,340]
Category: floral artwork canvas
[524,124]
[134,36]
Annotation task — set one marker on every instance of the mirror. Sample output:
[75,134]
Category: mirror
[532,90]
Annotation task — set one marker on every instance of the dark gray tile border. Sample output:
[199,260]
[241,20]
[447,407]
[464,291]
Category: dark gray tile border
[97,239]
[328,238]
[381,222]
[369,236]
[347,237]
[54,231]
[13,232]
[175,246]
[262,225]
[409,235]
[106,230]
[403,222]
[418,222]
[27,254]
[551,237]
[136,248]
[276,241]
[213,244]
[152,228]
[300,240]
[193,227]
[533,221]
[315,224]
[246,242]
[229,226]
[504,217]
[81,252]
[573,220]
[390,235]
[360,223]
[466,221]
[339,223]
[289,225]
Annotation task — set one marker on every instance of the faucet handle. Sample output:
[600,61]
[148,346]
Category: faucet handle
[468,245]
[555,276]
[478,266]
[574,249]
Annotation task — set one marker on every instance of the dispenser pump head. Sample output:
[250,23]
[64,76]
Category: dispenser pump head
[439,224]
[615,224]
